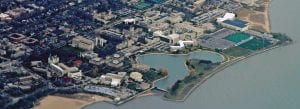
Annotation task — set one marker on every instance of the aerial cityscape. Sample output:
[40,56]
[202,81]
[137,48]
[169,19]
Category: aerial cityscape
[69,54]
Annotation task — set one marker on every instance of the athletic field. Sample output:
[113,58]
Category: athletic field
[237,37]
[255,44]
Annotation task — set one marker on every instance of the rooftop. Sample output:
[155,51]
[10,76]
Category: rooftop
[237,23]
[227,16]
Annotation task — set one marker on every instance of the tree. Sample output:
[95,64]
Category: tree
[95,72]
[163,72]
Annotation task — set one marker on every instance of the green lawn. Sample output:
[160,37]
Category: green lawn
[255,44]
[199,67]
[237,51]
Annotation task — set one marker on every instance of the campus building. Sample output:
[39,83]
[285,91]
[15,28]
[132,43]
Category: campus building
[172,38]
[236,24]
[61,69]
[231,22]
[83,43]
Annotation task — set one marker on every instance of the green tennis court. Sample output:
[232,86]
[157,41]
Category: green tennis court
[237,37]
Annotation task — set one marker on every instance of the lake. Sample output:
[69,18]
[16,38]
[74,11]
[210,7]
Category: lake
[176,64]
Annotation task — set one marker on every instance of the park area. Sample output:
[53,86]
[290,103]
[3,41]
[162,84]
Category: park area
[247,48]
[256,44]
[198,69]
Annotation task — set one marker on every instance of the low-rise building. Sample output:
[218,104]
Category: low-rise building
[176,17]
[236,24]
[4,63]
[4,16]
[172,38]
[116,61]
[181,45]
[97,61]
[89,55]
[83,43]
[110,92]
[227,16]
[231,22]
[77,75]
[104,17]
[112,79]
[188,28]
[61,69]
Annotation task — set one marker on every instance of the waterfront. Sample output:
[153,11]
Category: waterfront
[266,81]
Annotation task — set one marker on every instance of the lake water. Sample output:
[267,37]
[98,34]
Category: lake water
[266,81]
[176,64]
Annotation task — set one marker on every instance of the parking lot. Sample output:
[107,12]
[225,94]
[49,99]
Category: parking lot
[216,40]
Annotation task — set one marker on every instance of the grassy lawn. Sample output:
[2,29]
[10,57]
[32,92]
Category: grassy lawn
[255,44]
[237,51]
[199,68]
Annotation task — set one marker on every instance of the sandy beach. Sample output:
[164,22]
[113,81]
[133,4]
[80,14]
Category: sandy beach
[76,101]
[259,18]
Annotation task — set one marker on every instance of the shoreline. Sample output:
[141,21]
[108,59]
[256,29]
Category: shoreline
[224,66]
[268,14]
[149,93]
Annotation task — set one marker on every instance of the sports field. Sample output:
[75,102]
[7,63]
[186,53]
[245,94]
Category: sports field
[255,44]
[237,37]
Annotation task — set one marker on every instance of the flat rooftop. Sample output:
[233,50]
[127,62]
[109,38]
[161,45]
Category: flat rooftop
[216,40]
[237,23]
